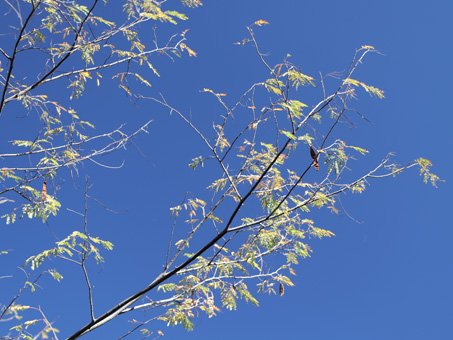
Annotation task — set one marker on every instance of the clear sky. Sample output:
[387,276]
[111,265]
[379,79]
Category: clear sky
[387,277]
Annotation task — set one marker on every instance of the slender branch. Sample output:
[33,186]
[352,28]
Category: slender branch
[171,238]
[13,57]
[6,55]
[54,68]
[84,253]
[26,285]
[116,144]
[212,148]
[48,324]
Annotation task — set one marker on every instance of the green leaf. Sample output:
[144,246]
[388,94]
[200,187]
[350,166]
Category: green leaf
[289,135]
[196,161]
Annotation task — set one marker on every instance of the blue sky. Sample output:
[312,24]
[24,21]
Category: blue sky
[388,277]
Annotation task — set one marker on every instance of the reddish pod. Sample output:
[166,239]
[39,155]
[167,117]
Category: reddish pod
[314,157]
[44,190]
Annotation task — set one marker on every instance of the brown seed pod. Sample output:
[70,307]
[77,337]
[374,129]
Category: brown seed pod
[314,156]
[44,190]
[281,289]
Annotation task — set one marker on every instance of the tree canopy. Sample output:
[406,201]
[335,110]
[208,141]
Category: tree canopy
[269,159]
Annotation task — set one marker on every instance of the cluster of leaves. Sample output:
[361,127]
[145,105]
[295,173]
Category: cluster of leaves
[24,330]
[426,171]
[74,30]
[41,206]
[76,243]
